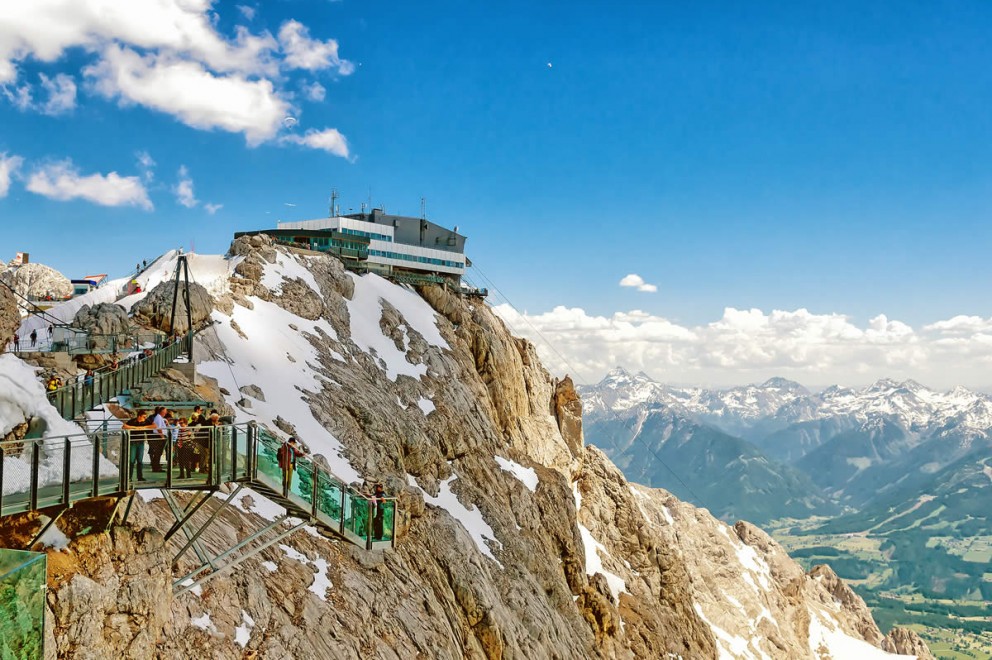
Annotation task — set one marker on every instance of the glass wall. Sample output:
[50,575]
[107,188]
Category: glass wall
[23,577]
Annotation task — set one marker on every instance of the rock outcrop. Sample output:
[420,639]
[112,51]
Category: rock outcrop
[155,309]
[10,315]
[39,281]
[515,540]
[104,323]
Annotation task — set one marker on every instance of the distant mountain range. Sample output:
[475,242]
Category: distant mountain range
[777,449]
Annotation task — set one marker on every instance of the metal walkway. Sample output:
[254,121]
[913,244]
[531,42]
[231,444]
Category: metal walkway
[57,472]
[75,398]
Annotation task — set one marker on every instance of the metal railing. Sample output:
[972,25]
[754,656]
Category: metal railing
[77,397]
[55,472]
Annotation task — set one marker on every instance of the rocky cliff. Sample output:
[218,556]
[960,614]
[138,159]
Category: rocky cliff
[516,540]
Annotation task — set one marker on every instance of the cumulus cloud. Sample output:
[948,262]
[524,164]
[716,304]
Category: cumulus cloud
[188,91]
[302,52]
[314,92]
[751,345]
[8,165]
[62,181]
[638,282]
[61,92]
[165,55]
[212,208]
[184,189]
[329,140]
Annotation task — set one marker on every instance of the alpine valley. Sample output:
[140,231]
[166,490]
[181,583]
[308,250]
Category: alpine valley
[889,484]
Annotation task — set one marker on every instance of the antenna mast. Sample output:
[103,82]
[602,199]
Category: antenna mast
[334,203]
[423,208]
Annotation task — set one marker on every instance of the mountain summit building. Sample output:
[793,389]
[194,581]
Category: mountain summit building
[413,250]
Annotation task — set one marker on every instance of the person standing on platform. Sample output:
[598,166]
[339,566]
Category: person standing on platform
[157,442]
[34,338]
[379,518]
[287,456]
[139,428]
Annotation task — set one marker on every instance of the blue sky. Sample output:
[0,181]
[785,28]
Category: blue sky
[831,157]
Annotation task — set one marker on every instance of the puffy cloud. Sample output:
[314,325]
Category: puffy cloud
[751,345]
[61,94]
[166,55]
[212,208]
[190,92]
[302,52]
[184,189]
[62,181]
[314,92]
[329,140]
[638,282]
[45,29]
[8,165]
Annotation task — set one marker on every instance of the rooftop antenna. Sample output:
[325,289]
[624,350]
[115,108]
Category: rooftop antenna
[423,208]
[370,198]
[334,202]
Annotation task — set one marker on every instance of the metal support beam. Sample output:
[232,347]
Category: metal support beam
[234,562]
[47,526]
[192,508]
[203,528]
[127,509]
[177,512]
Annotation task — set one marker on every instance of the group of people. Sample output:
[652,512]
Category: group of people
[15,340]
[187,438]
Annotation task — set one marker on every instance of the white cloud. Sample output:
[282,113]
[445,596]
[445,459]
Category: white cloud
[61,94]
[314,92]
[191,93]
[146,164]
[212,208]
[184,189]
[45,29]
[329,140]
[302,52]
[8,165]
[638,282]
[166,55]
[751,345]
[62,181]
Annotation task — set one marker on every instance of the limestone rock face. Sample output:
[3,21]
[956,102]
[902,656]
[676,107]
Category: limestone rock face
[155,310]
[10,315]
[906,642]
[514,540]
[37,281]
[103,322]
[567,410]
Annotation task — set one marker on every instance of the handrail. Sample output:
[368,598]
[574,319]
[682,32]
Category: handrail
[75,398]
[57,471]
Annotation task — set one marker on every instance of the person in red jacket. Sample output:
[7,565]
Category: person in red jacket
[287,455]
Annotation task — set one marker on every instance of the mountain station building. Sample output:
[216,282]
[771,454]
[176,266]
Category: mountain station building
[412,250]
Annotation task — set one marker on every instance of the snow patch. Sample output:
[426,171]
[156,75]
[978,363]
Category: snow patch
[204,622]
[470,519]
[825,635]
[270,566]
[426,406]
[527,476]
[242,634]
[594,563]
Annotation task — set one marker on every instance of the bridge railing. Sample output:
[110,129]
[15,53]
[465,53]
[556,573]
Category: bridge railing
[54,472]
[77,397]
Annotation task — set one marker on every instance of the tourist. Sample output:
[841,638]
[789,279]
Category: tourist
[287,455]
[88,378]
[186,449]
[34,338]
[139,428]
[379,518]
[17,343]
[157,441]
